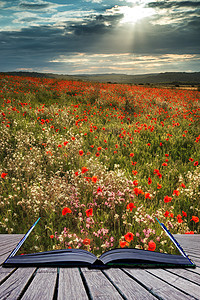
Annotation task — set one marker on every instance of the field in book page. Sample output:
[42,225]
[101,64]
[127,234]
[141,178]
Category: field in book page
[98,163]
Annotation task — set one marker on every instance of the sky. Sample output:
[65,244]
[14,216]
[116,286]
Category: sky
[97,37]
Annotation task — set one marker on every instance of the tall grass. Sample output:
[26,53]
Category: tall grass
[139,147]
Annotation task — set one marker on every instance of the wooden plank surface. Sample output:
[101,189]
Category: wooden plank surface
[159,288]
[127,286]
[42,286]
[186,286]
[7,244]
[13,287]
[5,272]
[183,273]
[99,286]
[70,284]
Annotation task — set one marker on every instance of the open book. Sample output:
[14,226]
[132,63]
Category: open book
[119,257]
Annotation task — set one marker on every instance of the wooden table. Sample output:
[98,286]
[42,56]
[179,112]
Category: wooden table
[81,283]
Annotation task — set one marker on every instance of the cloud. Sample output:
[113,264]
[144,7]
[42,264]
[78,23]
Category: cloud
[94,1]
[122,62]
[171,4]
[80,36]
[100,24]
[2,3]
[34,5]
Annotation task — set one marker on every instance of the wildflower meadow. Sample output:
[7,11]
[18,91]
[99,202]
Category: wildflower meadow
[98,163]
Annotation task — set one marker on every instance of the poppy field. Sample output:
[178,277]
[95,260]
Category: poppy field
[98,163]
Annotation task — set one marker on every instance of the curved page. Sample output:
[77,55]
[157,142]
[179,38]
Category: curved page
[68,257]
[138,256]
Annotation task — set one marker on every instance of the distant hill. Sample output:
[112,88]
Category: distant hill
[174,78]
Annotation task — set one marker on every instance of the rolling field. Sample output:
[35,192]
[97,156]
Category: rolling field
[98,163]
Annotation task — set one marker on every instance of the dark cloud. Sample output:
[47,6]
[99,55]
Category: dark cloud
[98,25]
[195,23]
[170,4]
[34,6]
[46,42]
[40,46]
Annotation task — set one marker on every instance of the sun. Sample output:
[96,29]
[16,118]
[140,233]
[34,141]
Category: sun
[133,14]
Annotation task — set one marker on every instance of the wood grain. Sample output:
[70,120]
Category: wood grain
[128,287]
[70,285]
[184,285]
[42,286]
[160,288]
[192,276]
[99,286]
[13,287]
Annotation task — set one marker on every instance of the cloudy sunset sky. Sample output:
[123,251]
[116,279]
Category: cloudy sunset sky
[97,36]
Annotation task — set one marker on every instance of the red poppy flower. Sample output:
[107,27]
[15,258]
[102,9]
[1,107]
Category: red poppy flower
[183,185]
[152,246]
[134,172]
[52,236]
[156,171]
[66,210]
[123,244]
[86,241]
[167,199]
[164,164]
[131,154]
[59,146]
[184,213]
[176,192]
[3,175]
[129,236]
[149,181]
[99,190]
[84,169]
[166,214]
[135,182]
[130,206]
[76,173]
[99,148]
[147,196]
[94,179]
[196,163]
[195,219]
[97,154]
[179,218]
[89,212]
[171,215]
[65,143]
[81,152]
[138,191]
[159,186]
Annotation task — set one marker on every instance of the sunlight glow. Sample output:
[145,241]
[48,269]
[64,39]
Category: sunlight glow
[134,14]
